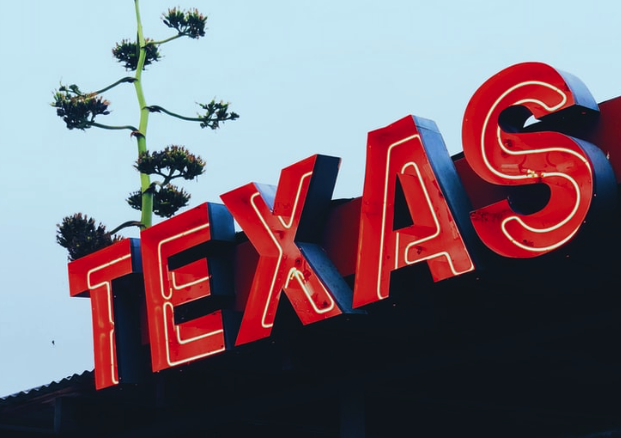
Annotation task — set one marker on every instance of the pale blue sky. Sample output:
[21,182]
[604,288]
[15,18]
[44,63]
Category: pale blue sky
[306,77]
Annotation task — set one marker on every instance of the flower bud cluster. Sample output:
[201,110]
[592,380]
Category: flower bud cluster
[217,112]
[81,236]
[173,162]
[78,110]
[127,52]
[189,23]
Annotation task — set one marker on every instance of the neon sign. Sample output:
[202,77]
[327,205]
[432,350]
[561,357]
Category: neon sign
[195,261]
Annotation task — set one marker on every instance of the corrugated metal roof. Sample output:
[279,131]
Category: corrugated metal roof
[84,378]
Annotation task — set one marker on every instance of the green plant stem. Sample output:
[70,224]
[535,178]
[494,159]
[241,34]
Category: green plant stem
[145,182]
[159,43]
[155,108]
[126,225]
[120,81]
[102,126]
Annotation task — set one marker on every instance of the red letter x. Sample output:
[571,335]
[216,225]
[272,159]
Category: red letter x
[282,225]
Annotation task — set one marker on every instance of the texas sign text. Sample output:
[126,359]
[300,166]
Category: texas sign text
[196,257]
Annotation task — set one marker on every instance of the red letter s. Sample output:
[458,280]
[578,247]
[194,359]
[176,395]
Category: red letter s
[500,151]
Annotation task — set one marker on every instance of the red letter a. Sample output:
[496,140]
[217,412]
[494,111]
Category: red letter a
[411,152]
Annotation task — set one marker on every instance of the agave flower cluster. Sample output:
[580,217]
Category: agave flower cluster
[190,23]
[82,236]
[217,112]
[171,163]
[126,52]
[78,110]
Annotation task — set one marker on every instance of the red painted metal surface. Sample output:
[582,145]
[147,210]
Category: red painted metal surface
[606,133]
[340,237]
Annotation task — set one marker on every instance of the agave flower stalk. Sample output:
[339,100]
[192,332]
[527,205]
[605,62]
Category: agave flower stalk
[146,217]
[79,110]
